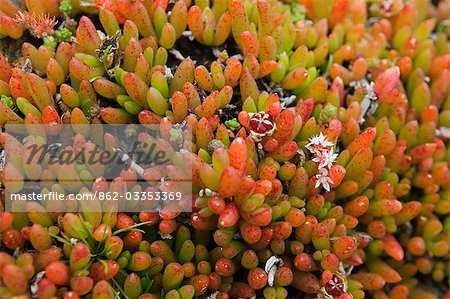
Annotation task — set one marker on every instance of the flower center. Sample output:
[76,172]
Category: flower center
[335,287]
[261,123]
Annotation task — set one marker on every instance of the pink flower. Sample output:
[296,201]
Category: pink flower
[323,179]
[318,143]
[325,158]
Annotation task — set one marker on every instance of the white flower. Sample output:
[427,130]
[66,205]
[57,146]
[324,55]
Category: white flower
[324,155]
[318,143]
[323,179]
[325,158]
